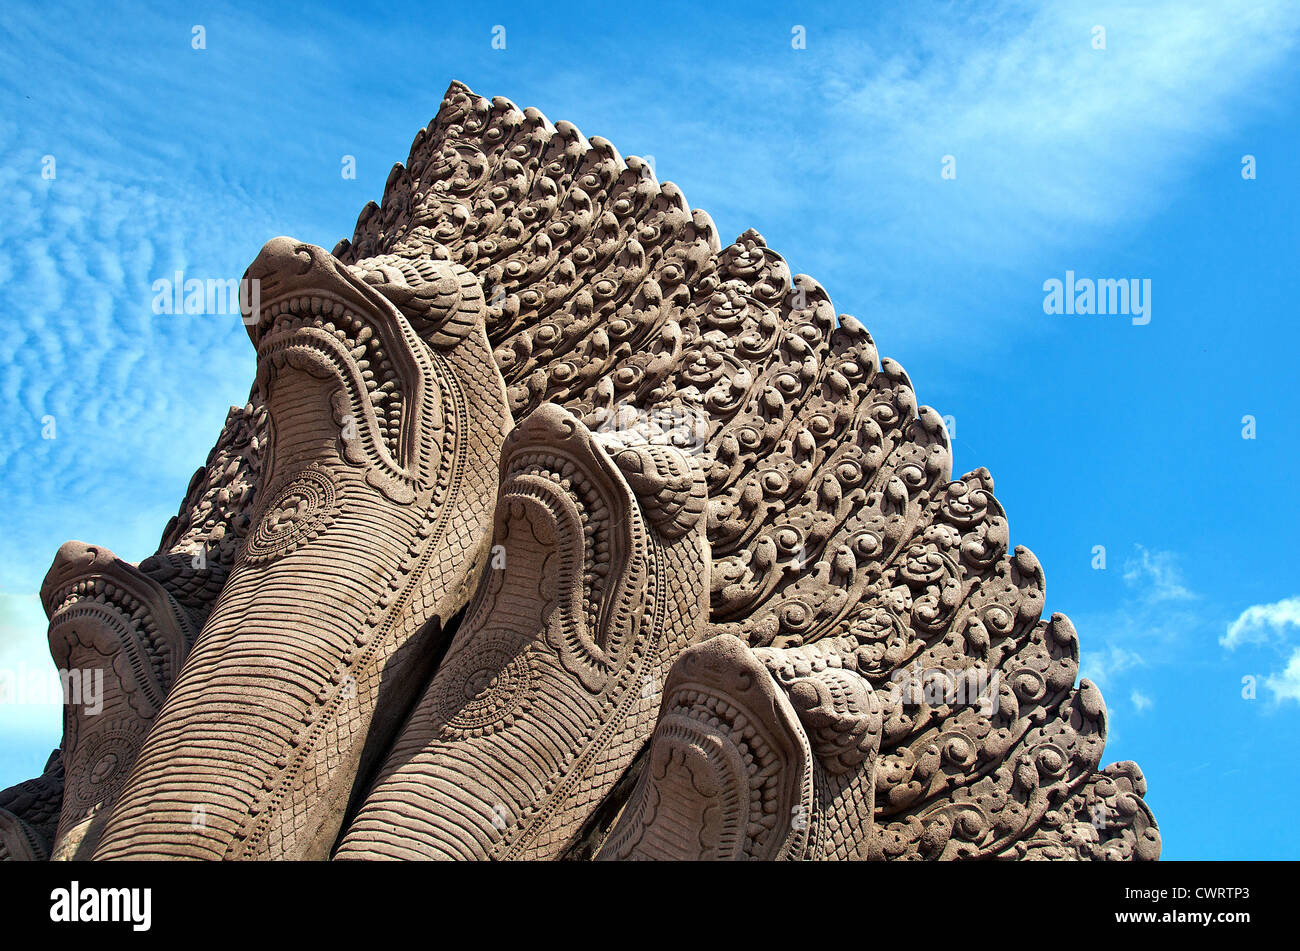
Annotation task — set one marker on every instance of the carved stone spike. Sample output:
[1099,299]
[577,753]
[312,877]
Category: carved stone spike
[1106,820]
[119,639]
[369,530]
[599,581]
[832,510]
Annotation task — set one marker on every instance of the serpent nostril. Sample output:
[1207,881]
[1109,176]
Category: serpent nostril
[282,255]
[74,554]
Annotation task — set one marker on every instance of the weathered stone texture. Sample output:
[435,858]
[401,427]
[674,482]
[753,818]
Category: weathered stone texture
[725,598]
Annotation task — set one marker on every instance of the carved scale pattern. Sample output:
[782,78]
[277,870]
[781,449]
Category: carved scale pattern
[764,753]
[118,627]
[29,813]
[832,516]
[832,513]
[377,470]
[194,557]
[554,675]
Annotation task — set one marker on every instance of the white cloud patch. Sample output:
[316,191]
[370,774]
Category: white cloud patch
[1286,685]
[1056,145]
[1049,133]
[1263,623]
[1141,702]
[1271,627]
[1051,129]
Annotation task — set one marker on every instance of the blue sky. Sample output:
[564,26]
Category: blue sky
[1122,162]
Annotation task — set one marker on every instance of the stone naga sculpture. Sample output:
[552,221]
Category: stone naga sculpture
[727,599]
[758,754]
[385,414]
[550,688]
[129,628]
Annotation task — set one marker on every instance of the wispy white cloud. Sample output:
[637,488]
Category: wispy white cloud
[1106,661]
[1156,576]
[1262,623]
[1271,627]
[1147,626]
[1053,138]
[107,401]
[1058,146]
[1141,702]
[834,152]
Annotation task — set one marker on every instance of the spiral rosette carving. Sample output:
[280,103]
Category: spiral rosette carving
[489,687]
[158,606]
[597,582]
[609,296]
[985,732]
[1105,820]
[831,510]
[295,515]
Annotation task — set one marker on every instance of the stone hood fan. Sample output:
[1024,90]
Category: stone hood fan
[554,528]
